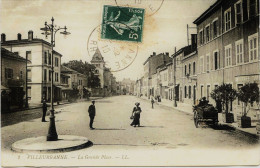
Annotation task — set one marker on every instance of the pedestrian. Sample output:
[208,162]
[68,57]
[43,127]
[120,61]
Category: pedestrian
[152,101]
[44,110]
[92,113]
[136,114]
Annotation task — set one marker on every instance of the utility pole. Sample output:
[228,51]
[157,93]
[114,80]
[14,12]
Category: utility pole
[174,79]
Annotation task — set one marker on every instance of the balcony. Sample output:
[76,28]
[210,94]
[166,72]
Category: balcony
[15,82]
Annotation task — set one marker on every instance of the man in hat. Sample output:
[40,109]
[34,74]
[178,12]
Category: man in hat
[44,110]
[92,113]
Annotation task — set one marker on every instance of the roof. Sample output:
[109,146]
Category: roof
[97,57]
[8,54]
[208,12]
[185,50]
[65,69]
[26,41]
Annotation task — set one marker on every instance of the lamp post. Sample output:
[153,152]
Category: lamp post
[50,29]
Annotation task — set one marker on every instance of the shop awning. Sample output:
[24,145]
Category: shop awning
[64,88]
[4,88]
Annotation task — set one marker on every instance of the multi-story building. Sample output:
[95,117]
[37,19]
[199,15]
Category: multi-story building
[228,46]
[72,80]
[13,78]
[150,68]
[38,52]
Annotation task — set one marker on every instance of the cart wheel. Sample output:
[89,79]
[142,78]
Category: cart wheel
[196,119]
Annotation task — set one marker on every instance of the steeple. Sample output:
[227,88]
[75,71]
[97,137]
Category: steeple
[97,57]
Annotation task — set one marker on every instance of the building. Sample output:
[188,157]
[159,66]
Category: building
[13,79]
[150,68]
[73,80]
[38,52]
[107,80]
[228,47]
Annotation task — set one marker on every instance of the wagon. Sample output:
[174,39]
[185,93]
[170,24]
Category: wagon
[206,113]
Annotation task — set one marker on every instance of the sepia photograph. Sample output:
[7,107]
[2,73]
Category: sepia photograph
[130,83]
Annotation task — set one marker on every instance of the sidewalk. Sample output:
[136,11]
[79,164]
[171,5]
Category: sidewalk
[187,108]
[39,105]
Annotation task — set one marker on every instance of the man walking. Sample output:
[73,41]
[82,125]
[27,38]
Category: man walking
[92,113]
[152,101]
[44,110]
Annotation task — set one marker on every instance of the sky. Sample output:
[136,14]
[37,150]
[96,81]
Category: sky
[163,30]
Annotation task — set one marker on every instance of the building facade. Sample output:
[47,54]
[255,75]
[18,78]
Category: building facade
[38,52]
[228,48]
[13,79]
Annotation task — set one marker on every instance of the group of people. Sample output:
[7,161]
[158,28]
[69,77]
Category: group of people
[92,113]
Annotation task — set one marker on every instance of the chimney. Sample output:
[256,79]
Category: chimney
[193,41]
[3,37]
[167,54]
[30,35]
[154,53]
[19,36]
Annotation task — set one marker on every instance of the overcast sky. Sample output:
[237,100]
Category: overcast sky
[163,31]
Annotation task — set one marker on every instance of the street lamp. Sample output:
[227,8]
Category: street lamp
[50,29]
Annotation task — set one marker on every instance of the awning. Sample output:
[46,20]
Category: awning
[64,88]
[4,88]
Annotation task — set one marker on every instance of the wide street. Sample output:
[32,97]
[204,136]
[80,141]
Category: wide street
[166,137]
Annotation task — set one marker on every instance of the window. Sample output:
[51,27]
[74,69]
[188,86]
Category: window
[56,61]
[189,92]
[29,56]
[227,19]
[29,75]
[239,52]
[228,55]
[252,40]
[29,92]
[238,87]
[45,57]
[207,34]
[201,64]
[56,77]
[49,75]
[252,8]
[201,37]
[9,73]
[185,70]
[238,12]
[189,68]
[207,63]
[215,28]
[216,60]
[49,58]
[194,68]
[201,91]
[185,92]
[45,75]
[208,91]
[21,74]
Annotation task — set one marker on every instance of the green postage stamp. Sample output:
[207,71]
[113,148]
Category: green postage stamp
[122,23]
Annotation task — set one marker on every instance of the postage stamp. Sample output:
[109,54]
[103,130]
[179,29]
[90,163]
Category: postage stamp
[124,23]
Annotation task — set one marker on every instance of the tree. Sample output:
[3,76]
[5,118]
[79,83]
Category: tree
[86,69]
[224,94]
[248,94]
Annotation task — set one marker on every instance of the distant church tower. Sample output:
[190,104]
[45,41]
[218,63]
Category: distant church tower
[99,63]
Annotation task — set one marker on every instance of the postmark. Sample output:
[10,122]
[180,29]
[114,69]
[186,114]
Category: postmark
[124,23]
[150,6]
[117,55]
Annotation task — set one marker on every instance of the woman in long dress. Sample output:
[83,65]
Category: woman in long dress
[136,114]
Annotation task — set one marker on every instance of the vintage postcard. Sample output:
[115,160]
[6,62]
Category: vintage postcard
[130,83]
